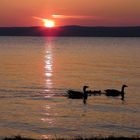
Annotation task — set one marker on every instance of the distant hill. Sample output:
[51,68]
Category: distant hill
[71,31]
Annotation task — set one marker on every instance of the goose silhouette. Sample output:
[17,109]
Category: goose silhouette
[114,92]
[77,94]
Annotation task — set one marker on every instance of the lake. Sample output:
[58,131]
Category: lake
[36,72]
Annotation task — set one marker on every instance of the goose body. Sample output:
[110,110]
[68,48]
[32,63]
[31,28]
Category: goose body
[114,92]
[95,92]
[73,94]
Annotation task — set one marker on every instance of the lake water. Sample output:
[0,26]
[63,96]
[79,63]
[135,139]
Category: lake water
[36,72]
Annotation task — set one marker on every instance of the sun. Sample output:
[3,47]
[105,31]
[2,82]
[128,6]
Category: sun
[49,23]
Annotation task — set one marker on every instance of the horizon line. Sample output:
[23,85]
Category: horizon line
[122,26]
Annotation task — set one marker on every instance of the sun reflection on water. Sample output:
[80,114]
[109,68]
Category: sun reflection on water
[48,67]
[47,120]
[48,73]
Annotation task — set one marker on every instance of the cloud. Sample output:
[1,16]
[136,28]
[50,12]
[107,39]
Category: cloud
[38,18]
[42,19]
[72,17]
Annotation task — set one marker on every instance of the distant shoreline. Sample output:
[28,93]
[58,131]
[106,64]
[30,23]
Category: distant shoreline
[72,31]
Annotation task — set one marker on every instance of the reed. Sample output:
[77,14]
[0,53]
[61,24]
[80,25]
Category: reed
[77,138]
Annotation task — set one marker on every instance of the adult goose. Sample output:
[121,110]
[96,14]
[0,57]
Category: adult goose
[114,92]
[77,94]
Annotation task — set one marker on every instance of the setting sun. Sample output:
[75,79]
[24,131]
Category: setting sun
[49,23]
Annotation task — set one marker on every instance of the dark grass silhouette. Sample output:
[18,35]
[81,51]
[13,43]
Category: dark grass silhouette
[77,138]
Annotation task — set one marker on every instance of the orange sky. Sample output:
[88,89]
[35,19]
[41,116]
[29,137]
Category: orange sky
[75,12]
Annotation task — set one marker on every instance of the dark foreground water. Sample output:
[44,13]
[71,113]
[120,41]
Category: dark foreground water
[36,72]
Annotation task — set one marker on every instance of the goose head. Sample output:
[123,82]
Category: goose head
[85,87]
[124,86]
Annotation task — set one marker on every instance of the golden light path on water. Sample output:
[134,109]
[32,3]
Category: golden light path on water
[48,67]
[48,61]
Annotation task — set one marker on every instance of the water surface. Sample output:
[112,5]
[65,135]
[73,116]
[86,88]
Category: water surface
[36,72]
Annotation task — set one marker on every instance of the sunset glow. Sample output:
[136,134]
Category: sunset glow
[49,23]
[67,12]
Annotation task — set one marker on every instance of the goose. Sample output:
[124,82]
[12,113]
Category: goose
[95,92]
[77,94]
[114,92]
[85,94]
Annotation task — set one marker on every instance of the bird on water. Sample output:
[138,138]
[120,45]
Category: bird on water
[114,92]
[85,94]
[78,95]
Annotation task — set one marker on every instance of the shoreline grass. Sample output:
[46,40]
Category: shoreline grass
[76,138]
